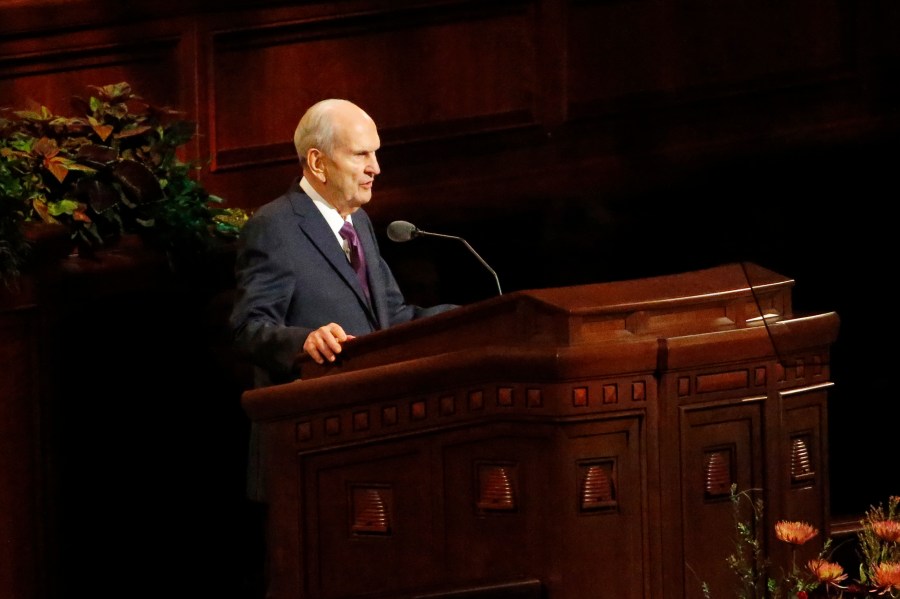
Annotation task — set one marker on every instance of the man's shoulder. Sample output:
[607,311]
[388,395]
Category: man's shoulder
[292,200]
[361,217]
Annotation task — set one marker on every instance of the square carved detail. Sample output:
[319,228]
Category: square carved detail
[638,391]
[816,365]
[759,376]
[417,410]
[448,405]
[580,397]
[304,430]
[361,420]
[333,425]
[389,415]
[611,393]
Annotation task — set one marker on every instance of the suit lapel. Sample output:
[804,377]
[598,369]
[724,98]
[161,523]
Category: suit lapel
[313,225]
[377,283]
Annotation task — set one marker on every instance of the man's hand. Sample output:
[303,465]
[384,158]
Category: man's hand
[325,342]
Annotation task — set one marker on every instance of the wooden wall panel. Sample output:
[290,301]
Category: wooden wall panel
[424,73]
[51,69]
[678,78]
[619,49]
[739,43]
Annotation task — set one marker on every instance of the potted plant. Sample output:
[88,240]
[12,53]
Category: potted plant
[114,169]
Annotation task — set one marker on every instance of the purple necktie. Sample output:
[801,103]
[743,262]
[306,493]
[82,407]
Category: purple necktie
[357,257]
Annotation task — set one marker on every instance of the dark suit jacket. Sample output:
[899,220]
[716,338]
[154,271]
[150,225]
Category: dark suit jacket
[293,277]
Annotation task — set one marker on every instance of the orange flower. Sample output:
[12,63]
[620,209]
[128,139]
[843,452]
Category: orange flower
[825,571]
[795,533]
[887,530]
[887,575]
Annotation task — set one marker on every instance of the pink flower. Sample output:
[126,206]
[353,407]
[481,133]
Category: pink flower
[795,533]
[887,530]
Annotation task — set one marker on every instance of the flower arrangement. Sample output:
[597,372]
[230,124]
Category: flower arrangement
[878,552]
[112,169]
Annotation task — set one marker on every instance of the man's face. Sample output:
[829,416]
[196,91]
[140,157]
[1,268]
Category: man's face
[351,168]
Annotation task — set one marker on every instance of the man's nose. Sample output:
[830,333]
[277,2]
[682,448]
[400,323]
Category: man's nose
[373,167]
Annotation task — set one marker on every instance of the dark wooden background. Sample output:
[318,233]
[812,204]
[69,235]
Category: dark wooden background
[568,141]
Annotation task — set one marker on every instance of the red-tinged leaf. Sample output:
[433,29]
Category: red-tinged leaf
[60,122]
[77,127]
[80,215]
[57,168]
[119,110]
[36,113]
[45,147]
[113,92]
[103,131]
[133,131]
[40,207]
[81,168]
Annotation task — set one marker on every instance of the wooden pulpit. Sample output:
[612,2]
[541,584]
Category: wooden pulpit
[564,443]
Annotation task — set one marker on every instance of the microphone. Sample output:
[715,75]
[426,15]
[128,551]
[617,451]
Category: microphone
[401,230]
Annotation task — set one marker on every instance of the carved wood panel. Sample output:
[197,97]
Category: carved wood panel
[715,437]
[349,558]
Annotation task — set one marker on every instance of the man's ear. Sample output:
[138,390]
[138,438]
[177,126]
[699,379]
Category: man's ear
[315,161]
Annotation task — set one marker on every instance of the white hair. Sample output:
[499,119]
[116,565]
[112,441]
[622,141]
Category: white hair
[316,129]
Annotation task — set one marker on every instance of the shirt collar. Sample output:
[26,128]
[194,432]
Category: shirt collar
[332,216]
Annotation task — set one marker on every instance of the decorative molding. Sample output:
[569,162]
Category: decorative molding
[450,407]
[723,381]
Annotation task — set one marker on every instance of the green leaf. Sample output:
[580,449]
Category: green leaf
[62,207]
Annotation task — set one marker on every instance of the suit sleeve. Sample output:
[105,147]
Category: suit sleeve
[265,284]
